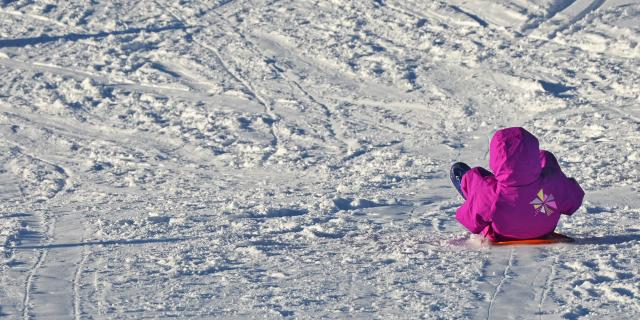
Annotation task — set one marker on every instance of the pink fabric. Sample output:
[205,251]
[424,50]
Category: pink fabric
[524,196]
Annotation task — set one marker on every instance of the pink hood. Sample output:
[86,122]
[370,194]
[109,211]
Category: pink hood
[514,157]
[524,196]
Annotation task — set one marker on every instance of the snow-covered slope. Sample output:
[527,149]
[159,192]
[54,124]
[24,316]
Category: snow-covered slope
[268,159]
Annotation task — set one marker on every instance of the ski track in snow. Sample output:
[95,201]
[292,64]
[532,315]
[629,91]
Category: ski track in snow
[286,159]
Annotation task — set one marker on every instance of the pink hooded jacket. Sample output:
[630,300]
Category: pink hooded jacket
[524,197]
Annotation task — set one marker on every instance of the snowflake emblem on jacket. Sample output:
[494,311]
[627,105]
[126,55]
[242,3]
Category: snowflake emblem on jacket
[544,203]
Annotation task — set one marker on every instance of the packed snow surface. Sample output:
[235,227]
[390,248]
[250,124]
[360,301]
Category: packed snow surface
[270,159]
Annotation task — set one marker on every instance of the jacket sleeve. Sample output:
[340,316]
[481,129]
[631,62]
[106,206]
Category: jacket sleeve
[573,197]
[476,212]
[572,194]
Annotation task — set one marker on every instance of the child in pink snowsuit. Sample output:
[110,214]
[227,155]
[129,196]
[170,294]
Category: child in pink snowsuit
[525,195]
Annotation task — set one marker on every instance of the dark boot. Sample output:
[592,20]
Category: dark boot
[458,170]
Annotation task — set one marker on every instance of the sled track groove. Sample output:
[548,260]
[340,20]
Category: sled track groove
[48,232]
[505,275]
[547,286]
[76,285]
[29,283]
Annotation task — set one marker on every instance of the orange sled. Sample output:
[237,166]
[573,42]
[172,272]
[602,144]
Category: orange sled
[552,238]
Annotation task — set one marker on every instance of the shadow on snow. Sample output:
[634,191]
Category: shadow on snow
[22,42]
[94,243]
[15,215]
[608,240]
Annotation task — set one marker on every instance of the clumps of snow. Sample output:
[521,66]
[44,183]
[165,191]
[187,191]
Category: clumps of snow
[355,203]
[10,230]
[155,217]
[38,176]
[601,279]
[607,216]
[278,212]
[250,251]
[330,232]
[280,226]
[593,131]
[613,30]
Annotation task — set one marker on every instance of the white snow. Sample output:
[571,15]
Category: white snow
[270,159]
